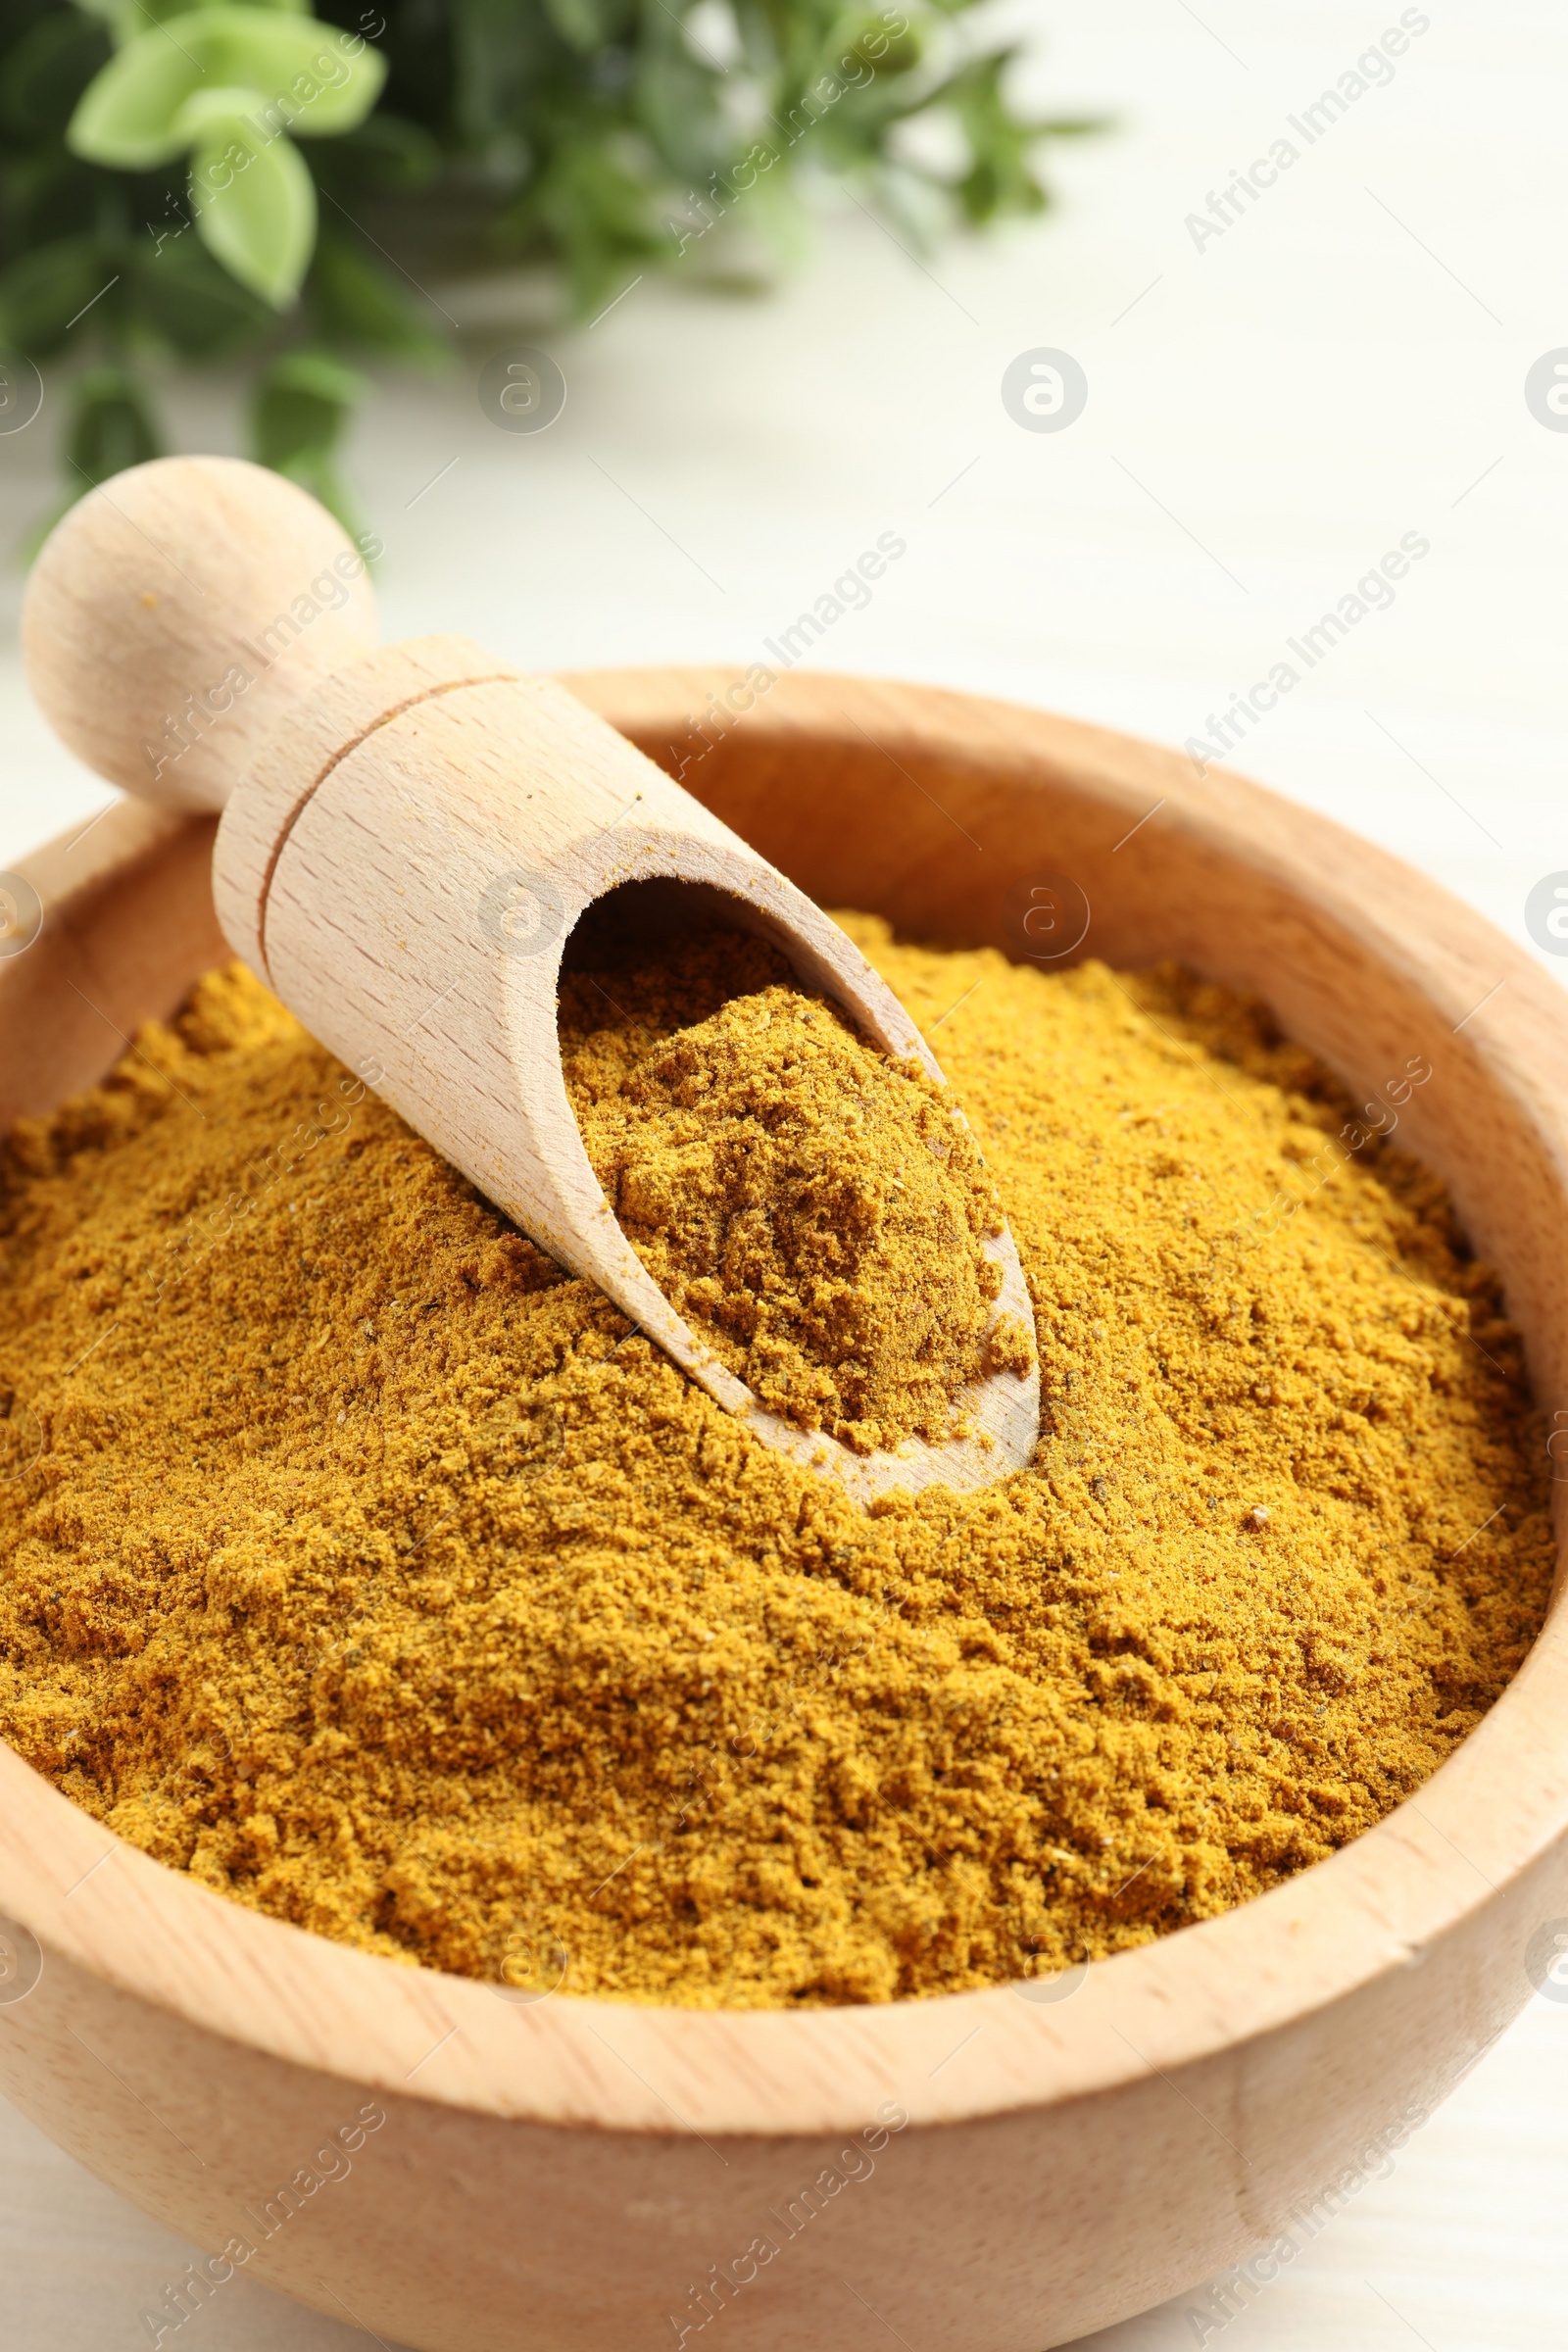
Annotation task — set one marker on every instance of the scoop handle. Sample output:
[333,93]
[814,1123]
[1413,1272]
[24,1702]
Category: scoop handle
[404,863]
[409,837]
[178,609]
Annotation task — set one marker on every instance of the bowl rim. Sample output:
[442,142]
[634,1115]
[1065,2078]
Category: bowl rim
[1490,1815]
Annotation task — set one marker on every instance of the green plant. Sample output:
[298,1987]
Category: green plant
[196,182]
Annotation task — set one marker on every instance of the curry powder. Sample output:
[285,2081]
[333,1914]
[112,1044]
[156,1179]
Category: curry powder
[356,1560]
[817,1212]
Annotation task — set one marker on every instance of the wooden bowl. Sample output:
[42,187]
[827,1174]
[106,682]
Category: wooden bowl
[464,2172]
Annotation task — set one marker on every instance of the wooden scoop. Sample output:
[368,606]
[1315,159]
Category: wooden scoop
[408,835]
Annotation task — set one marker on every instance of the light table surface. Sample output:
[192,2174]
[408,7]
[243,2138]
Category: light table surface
[1270,409]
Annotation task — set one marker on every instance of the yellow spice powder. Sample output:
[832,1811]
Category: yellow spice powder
[818,1214]
[359,1562]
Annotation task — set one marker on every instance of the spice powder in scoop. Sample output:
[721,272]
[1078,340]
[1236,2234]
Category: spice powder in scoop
[356,1560]
[818,1214]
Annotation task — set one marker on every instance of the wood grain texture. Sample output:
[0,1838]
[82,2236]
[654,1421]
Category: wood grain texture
[302,751]
[563,2173]
[404,863]
[389,822]
[127,917]
[174,612]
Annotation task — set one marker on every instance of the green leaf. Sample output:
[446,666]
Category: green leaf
[126,116]
[500,52]
[383,153]
[127,19]
[298,418]
[189,302]
[570,131]
[671,89]
[1000,178]
[57,198]
[110,426]
[598,213]
[256,208]
[588,24]
[310,388]
[298,75]
[354,301]
[112,15]
[164,11]
[42,295]
[209,113]
[45,74]
[310,80]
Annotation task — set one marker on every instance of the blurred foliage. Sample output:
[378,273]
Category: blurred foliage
[604,137]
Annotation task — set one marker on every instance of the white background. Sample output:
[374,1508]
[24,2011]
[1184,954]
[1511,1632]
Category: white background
[1265,417]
